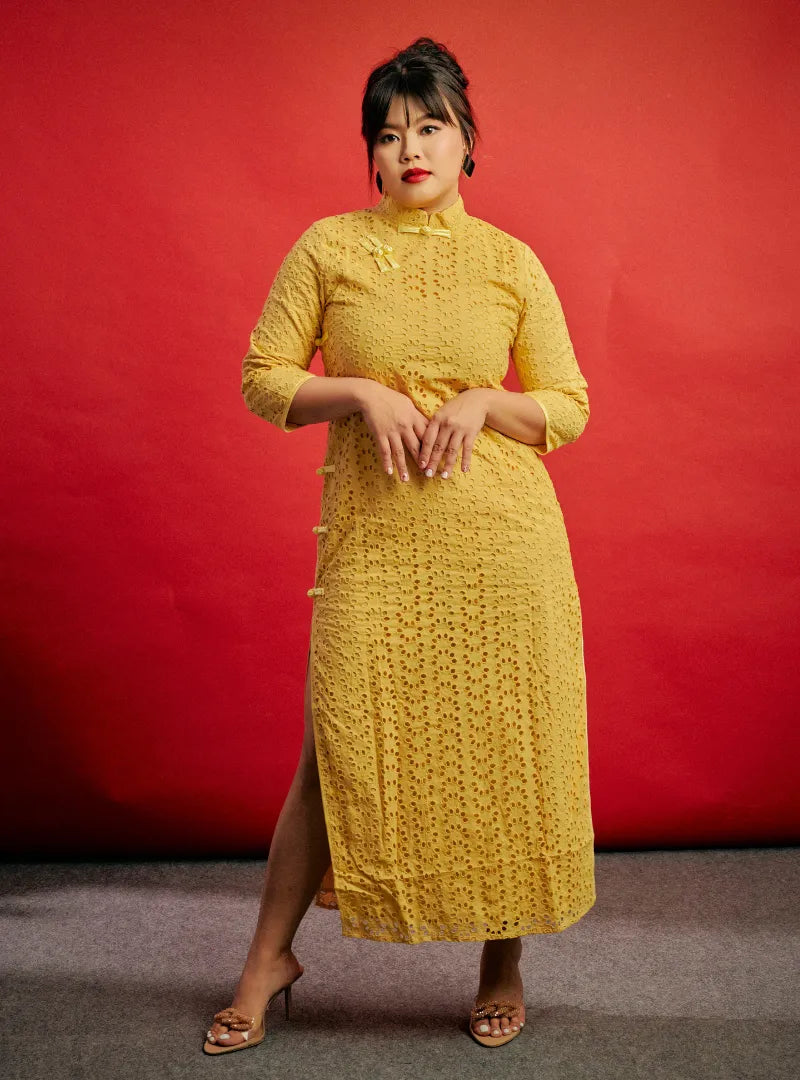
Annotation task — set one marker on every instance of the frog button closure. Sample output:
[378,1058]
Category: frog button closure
[381,251]
[320,529]
[426,230]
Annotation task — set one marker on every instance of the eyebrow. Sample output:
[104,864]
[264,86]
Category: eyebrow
[427,116]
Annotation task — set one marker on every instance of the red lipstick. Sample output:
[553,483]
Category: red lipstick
[413,176]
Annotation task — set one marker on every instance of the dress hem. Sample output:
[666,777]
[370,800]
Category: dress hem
[483,935]
[358,923]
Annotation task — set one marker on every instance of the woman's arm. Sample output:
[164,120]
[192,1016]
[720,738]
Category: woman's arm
[515,414]
[327,398]
[276,383]
[548,371]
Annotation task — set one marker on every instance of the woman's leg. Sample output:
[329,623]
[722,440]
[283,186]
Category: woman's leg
[500,980]
[298,858]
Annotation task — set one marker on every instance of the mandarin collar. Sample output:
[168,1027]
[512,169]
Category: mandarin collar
[397,214]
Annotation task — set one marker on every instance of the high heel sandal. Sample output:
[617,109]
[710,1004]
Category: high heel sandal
[235,1020]
[486,1009]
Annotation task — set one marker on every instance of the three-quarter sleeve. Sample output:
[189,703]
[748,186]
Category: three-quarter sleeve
[544,358]
[284,340]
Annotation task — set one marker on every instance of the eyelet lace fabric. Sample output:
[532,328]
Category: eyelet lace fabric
[446,648]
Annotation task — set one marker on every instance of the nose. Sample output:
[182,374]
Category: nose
[409,151]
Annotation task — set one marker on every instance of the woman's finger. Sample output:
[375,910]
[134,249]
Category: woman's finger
[428,442]
[440,442]
[451,453]
[412,438]
[399,454]
[385,451]
[419,427]
[466,452]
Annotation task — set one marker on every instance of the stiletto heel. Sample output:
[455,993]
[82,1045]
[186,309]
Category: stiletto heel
[235,1020]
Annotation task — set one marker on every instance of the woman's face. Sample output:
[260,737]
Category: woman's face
[426,144]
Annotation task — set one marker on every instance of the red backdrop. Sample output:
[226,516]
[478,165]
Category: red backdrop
[157,541]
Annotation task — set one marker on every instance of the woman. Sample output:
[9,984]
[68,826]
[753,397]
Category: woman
[444,771]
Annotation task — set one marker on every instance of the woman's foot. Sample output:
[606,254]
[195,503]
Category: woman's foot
[258,982]
[500,980]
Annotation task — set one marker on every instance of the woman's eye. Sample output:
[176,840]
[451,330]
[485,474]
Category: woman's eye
[428,127]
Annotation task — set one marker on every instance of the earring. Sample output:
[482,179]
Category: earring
[379,182]
[468,164]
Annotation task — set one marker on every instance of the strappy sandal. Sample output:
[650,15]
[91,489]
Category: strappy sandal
[235,1020]
[482,1010]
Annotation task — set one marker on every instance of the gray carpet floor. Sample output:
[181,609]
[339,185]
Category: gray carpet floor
[686,967]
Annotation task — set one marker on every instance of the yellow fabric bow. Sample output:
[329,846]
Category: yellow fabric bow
[381,251]
[426,230]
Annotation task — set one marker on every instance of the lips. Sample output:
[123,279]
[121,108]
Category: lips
[411,174]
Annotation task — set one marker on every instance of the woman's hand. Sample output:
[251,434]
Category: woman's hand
[454,427]
[395,422]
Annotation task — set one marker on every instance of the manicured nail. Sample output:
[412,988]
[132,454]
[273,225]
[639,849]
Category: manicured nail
[444,475]
[389,470]
[429,472]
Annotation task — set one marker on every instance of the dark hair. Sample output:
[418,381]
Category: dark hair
[427,71]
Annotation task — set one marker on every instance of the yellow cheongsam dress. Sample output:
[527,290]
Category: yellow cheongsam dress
[446,650]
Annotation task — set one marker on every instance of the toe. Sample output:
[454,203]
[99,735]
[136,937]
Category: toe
[481,1027]
[214,1032]
[222,1036]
